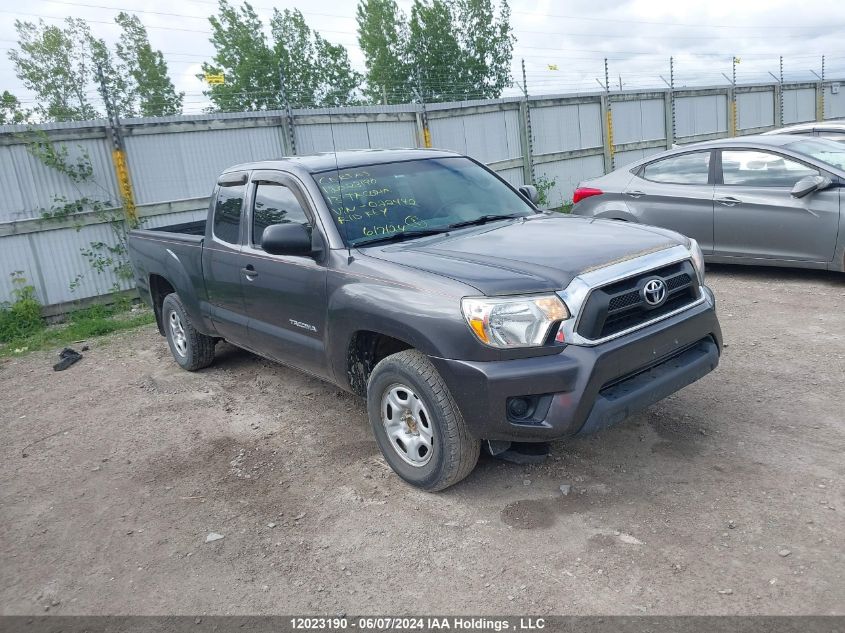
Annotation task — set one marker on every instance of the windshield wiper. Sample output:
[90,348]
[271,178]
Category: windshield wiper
[403,235]
[484,219]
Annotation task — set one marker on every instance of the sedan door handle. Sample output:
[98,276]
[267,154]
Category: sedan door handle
[250,272]
[729,201]
[635,194]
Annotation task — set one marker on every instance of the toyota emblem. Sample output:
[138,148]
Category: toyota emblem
[654,292]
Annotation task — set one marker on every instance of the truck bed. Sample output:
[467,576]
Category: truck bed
[186,228]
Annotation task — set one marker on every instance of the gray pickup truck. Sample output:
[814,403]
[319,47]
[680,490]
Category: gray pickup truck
[424,282]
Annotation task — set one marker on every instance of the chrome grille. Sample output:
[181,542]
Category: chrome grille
[620,305]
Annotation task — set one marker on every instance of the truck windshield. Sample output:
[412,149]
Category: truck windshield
[373,202]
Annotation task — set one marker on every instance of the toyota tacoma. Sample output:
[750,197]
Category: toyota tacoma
[425,283]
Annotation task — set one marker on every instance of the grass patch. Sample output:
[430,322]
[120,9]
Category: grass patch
[81,325]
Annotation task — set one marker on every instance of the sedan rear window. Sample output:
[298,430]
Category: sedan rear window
[685,169]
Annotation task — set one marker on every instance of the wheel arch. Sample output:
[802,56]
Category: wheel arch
[364,351]
[160,287]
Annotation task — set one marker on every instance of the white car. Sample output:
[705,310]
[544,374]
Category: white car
[831,130]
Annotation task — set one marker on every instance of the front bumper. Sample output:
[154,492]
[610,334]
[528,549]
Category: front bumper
[585,389]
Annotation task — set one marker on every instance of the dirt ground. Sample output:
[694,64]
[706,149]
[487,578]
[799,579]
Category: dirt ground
[726,498]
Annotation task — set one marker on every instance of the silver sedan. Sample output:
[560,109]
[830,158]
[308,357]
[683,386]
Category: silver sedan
[770,200]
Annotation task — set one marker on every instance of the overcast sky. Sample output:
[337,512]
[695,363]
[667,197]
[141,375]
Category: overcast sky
[637,36]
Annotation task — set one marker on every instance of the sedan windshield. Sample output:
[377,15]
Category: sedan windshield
[822,150]
[417,197]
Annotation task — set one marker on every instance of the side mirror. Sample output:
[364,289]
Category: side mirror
[530,192]
[809,184]
[287,239]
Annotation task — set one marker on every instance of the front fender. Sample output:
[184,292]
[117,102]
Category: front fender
[429,323]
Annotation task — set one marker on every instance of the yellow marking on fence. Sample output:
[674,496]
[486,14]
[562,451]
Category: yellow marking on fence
[732,107]
[609,118]
[124,185]
[426,137]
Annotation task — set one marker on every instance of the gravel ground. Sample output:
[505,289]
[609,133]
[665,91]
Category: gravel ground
[726,498]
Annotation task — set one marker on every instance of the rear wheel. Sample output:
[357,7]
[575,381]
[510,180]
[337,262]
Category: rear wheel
[191,349]
[417,424]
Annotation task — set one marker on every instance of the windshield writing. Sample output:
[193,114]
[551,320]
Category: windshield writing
[376,201]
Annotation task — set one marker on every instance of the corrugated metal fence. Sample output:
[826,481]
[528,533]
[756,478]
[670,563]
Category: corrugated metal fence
[174,160]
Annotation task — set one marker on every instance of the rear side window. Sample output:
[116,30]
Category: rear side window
[274,204]
[762,169]
[227,213]
[686,169]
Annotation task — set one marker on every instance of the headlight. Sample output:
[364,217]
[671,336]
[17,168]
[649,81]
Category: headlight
[697,259]
[513,321]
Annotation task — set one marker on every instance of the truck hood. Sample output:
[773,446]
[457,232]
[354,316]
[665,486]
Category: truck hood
[540,253]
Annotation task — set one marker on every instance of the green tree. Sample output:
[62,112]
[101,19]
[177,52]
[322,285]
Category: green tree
[117,82]
[244,58]
[56,64]
[11,111]
[383,38]
[316,71]
[436,52]
[59,64]
[152,88]
[449,49]
[487,43]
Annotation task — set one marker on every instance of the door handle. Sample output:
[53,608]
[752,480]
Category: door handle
[729,201]
[635,194]
[250,272]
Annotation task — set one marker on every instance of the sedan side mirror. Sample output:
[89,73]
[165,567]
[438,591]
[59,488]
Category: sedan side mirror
[809,184]
[290,238]
[530,192]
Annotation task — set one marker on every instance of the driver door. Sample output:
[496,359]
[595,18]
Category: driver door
[284,295]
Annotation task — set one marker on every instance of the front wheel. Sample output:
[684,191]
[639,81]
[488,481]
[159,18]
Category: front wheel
[191,349]
[417,424]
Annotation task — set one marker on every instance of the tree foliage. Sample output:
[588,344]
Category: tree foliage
[11,111]
[447,50]
[316,71]
[383,37]
[153,91]
[59,64]
[245,58]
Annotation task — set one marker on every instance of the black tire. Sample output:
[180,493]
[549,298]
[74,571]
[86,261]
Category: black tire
[196,350]
[454,452]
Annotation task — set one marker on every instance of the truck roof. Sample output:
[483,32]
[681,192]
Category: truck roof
[345,159]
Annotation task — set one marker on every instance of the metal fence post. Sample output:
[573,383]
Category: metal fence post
[780,93]
[291,132]
[819,101]
[669,118]
[669,106]
[121,166]
[525,144]
[526,137]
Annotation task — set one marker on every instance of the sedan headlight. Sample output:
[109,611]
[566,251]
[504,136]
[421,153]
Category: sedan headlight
[513,321]
[697,259]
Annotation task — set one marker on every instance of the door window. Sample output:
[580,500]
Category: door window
[227,213]
[685,169]
[274,204]
[762,169]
